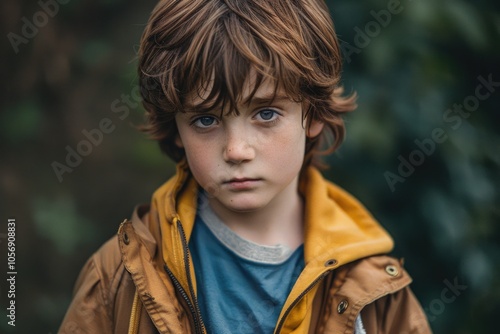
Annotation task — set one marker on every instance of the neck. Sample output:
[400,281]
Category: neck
[280,222]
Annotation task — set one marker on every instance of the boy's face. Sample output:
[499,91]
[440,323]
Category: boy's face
[249,161]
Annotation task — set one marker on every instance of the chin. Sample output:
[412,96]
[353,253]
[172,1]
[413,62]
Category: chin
[243,208]
[244,205]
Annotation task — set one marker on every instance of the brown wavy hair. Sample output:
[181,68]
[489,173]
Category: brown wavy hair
[213,45]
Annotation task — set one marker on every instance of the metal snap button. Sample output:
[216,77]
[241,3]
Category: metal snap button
[330,263]
[342,306]
[392,270]
[126,240]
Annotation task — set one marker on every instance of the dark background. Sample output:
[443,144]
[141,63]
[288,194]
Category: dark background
[408,68]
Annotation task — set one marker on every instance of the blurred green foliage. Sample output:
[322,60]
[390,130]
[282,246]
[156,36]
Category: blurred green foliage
[444,217]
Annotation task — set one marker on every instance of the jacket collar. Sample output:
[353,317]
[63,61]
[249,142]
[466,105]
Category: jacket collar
[337,227]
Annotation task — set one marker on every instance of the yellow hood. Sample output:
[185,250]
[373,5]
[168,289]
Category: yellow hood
[338,230]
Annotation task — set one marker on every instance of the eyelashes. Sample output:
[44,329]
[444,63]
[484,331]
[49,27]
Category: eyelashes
[268,115]
[204,122]
[265,117]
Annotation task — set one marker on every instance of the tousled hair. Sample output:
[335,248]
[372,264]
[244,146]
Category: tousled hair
[214,45]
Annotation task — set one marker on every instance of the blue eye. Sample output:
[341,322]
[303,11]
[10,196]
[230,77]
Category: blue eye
[267,114]
[204,121]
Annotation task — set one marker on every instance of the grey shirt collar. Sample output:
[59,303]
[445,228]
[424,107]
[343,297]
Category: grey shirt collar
[242,247]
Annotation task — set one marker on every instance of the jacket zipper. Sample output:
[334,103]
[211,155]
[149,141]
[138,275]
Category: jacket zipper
[133,326]
[184,295]
[193,307]
[299,297]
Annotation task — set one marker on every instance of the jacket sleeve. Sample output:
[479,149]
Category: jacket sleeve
[89,309]
[395,313]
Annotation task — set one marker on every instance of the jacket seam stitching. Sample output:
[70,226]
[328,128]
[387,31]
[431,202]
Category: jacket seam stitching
[138,281]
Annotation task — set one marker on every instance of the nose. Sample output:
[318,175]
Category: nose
[238,147]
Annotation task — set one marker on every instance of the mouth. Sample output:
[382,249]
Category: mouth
[242,179]
[242,183]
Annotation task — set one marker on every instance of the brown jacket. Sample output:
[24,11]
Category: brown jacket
[142,280]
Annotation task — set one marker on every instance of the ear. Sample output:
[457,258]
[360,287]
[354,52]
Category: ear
[178,141]
[315,128]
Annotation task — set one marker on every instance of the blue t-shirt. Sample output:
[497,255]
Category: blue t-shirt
[242,286]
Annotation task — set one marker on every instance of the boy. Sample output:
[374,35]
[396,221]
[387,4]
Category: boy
[247,237]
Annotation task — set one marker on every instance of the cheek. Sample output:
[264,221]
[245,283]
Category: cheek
[286,150]
[198,156]
[204,163]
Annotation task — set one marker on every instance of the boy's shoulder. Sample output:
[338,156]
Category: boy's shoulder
[104,291]
[378,288]
[373,275]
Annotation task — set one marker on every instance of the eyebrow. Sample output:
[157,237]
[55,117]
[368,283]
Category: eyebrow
[268,99]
